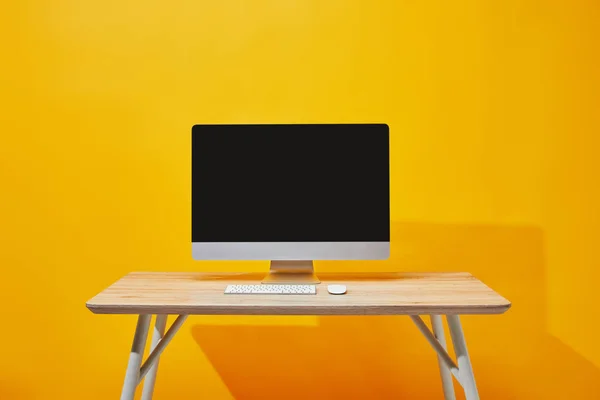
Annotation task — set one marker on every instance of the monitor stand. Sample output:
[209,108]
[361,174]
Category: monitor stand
[297,272]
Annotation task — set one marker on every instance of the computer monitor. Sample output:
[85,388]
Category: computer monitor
[290,194]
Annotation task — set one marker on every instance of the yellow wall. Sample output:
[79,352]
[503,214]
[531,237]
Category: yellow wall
[493,109]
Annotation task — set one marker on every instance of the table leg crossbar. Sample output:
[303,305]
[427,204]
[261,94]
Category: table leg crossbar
[135,370]
[461,370]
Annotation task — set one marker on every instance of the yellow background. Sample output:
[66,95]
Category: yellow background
[493,110]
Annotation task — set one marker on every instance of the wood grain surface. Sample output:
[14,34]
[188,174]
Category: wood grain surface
[368,294]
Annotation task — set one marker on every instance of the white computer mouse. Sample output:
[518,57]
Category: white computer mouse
[336,289]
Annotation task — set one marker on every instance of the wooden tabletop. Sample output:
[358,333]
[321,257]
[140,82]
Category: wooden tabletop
[367,294]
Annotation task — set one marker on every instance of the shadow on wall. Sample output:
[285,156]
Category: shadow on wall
[386,358]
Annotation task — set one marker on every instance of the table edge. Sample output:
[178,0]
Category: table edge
[300,310]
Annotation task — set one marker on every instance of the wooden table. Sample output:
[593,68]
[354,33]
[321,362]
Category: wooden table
[412,294]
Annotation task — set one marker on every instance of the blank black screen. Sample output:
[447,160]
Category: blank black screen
[290,183]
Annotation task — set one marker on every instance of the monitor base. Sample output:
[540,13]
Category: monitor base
[295,272]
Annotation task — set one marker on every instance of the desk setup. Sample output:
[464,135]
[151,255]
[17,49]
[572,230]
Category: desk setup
[412,294]
[292,194]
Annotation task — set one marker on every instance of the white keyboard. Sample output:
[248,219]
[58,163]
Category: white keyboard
[271,289]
